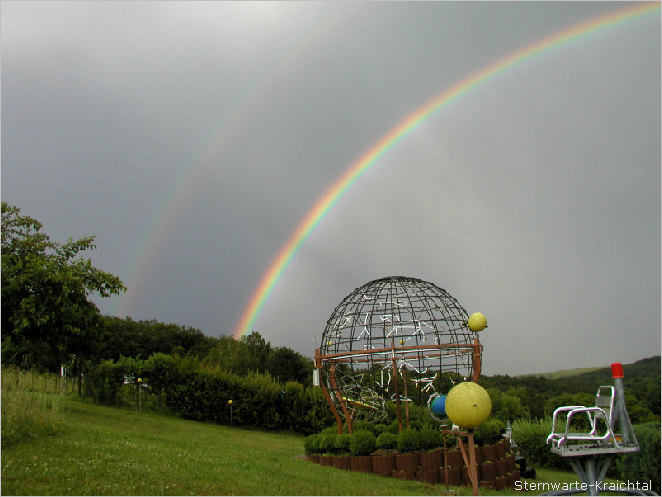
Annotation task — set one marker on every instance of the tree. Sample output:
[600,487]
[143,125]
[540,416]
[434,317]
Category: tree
[129,338]
[47,314]
[285,364]
[230,355]
[507,406]
[259,350]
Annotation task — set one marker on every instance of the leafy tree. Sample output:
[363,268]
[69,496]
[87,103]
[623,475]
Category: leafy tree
[285,364]
[126,337]
[230,355]
[507,406]
[259,350]
[47,316]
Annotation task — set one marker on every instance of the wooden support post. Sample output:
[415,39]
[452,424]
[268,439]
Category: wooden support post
[336,392]
[397,391]
[473,469]
[318,365]
[469,460]
[404,380]
[476,359]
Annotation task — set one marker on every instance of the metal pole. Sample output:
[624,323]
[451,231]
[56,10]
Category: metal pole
[397,391]
[140,399]
[404,380]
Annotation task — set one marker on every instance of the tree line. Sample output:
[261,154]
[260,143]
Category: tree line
[49,320]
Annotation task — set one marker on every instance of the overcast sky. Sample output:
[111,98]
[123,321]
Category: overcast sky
[192,138]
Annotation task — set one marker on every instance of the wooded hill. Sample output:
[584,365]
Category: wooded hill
[642,389]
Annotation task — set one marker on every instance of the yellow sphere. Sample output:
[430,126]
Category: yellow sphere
[229,402]
[468,405]
[477,322]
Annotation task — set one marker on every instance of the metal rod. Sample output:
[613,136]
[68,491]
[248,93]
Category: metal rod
[397,392]
[400,350]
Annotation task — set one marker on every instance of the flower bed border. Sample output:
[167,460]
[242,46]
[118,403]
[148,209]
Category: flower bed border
[456,467]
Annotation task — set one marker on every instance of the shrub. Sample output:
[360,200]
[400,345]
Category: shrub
[387,440]
[342,443]
[328,443]
[311,444]
[409,441]
[490,432]
[643,466]
[362,443]
[430,439]
[380,428]
[394,427]
[361,425]
[317,412]
[531,438]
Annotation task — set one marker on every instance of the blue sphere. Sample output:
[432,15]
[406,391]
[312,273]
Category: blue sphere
[438,406]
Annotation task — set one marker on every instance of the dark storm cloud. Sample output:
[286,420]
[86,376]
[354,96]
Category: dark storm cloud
[534,198]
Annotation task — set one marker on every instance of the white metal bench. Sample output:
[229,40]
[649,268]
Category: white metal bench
[599,417]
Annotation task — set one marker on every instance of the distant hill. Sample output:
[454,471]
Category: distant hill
[563,373]
[642,380]
[644,367]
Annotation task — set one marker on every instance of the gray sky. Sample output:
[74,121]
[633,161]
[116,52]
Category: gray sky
[192,138]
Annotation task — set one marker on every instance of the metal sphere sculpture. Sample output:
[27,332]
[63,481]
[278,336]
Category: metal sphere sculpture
[396,338]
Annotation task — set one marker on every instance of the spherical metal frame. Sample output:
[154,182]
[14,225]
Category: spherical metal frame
[388,333]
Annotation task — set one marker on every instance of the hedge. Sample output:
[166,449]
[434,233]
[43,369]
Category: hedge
[531,438]
[642,466]
[362,443]
[201,393]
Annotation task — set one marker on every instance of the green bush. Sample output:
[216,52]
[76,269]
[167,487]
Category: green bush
[342,443]
[380,428]
[430,439]
[490,432]
[393,427]
[642,466]
[317,413]
[409,441]
[387,440]
[362,443]
[362,425]
[328,443]
[311,444]
[531,438]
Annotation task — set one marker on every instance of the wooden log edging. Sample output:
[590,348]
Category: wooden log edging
[497,473]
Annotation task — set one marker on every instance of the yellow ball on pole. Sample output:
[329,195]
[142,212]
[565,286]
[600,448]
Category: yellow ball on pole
[477,321]
[468,405]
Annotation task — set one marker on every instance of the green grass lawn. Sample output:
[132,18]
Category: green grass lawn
[110,451]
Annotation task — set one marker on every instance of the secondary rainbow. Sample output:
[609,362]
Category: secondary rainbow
[333,195]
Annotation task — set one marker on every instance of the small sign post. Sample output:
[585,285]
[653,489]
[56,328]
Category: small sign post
[140,397]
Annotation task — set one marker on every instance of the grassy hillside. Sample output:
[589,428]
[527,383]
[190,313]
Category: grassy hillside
[649,367]
[110,451]
[563,373]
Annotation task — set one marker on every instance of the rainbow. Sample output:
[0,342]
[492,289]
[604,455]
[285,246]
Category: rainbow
[354,173]
[218,138]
